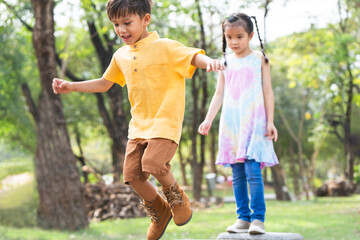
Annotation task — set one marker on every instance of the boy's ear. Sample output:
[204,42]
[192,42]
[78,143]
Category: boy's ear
[147,19]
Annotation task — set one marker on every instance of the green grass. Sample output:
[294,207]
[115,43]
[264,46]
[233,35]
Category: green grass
[18,206]
[319,219]
[222,191]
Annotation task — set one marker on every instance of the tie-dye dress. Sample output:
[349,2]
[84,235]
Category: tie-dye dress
[243,117]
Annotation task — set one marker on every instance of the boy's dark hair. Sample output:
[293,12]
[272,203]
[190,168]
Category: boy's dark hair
[241,20]
[122,8]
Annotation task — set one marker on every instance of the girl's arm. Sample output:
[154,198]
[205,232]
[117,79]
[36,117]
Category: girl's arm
[204,62]
[268,100]
[90,86]
[215,105]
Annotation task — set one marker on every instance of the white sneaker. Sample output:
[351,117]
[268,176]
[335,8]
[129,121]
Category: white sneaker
[257,227]
[240,226]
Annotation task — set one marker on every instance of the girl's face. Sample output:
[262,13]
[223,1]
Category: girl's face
[238,39]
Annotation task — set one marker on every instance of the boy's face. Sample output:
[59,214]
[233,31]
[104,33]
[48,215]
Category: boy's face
[131,28]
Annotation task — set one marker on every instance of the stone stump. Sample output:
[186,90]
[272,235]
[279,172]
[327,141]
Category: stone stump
[266,236]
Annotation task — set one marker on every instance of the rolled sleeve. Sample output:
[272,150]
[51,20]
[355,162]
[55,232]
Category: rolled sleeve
[181,57]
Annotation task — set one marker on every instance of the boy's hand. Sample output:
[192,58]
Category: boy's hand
[215,65]
[61,86]
[204,127]
[271,132]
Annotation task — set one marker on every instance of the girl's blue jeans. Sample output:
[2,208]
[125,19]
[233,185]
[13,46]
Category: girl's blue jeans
[244,173]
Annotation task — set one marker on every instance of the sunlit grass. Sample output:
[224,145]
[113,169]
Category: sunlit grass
[18,196]
[319,219]
[18,206]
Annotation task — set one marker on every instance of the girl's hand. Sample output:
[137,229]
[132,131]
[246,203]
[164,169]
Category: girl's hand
[271,132]
[61,86]
[215,65]
[204,127]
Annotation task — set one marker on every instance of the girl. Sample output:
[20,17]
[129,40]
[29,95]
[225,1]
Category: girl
[246,123]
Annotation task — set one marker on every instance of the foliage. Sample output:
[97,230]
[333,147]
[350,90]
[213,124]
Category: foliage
[16,67]
[311,64]
[357,174]
[314,66]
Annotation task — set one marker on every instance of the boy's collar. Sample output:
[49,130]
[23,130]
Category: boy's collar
[152,37]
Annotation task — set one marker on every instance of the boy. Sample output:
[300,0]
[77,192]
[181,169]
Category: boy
[154,70]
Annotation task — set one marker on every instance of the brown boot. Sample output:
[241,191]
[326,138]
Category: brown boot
[179,202]
[160,213]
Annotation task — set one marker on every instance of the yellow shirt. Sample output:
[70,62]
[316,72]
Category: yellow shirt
[154,70]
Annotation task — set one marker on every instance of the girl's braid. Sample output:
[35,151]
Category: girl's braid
[261,44]
[224,45]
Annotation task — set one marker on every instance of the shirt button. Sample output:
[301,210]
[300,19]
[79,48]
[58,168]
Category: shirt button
[134,58]
[134,46]
[135,70]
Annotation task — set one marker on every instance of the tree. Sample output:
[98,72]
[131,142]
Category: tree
[60,190]
[342,77]
[199,88]
[116,121]
[301,69]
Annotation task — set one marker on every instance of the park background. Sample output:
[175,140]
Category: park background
[50,145]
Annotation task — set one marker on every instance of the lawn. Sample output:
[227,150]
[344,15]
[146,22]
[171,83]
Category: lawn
[317,219]
[321,218]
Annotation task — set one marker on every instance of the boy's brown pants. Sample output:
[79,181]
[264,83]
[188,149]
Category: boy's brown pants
[148,156]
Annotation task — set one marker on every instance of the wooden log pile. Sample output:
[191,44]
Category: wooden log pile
[337,187]
[112,201]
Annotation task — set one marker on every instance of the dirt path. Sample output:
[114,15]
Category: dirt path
[15,180]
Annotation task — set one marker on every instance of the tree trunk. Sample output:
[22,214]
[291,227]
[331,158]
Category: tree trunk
[198,167]
[294,173]
[117,126]
[345,120]
[266,11]
[266,177]
[120,127]
[278,178]
[298,139]
[194,161]
[314,156]
[61,198]
[280,188]
[213,153]
[303,177]
[182,165]
[348,148]
[81,157]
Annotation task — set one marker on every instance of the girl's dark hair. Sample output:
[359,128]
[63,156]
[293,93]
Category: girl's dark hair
[241,20]
[123,8]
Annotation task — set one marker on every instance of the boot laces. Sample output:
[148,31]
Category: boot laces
[173,196]
[151,212]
